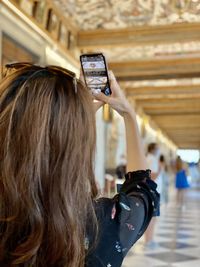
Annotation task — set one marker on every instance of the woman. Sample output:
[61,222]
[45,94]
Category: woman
[181,183]
[49,211]
[164,179]
[153,165]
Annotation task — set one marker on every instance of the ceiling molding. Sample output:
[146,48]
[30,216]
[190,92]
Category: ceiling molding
[170,107]
[159,92]
[178,121]
[139,35]
[161,103]
[183,129]
[182,67]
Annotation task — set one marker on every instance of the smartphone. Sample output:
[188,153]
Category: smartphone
[95,72]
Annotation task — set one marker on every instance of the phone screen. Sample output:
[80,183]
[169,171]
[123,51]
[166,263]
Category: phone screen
[95,72]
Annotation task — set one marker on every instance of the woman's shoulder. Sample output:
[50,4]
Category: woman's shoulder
[138,190]
[124,218]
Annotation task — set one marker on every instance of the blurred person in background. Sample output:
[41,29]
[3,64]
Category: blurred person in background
[153,154]
[121,167]
[50,213]
[194,173]
[164,178]
[181,183]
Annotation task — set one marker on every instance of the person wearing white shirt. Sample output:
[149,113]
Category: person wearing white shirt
[153,165]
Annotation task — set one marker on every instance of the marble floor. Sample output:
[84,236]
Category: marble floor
[177,235]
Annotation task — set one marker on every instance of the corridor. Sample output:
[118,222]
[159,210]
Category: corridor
[177,236]
[153,49]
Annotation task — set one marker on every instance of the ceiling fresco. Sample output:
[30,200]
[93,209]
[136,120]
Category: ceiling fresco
[112,14]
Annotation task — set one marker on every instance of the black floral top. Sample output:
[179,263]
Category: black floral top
[123,219]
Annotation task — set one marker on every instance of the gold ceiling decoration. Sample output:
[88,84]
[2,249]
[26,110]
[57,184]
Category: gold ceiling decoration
[112,14]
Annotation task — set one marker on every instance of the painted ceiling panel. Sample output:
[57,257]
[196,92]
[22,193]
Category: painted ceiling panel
[112,14]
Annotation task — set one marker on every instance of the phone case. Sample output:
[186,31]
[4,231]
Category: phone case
[97,78]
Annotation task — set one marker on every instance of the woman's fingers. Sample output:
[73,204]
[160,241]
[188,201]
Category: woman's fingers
[115,88]
[117,100]
[100,100]
[120,104]
[100,96]
[114,102]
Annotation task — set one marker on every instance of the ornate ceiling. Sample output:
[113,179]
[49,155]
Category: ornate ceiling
[119,14]
[153,47]
[115,14]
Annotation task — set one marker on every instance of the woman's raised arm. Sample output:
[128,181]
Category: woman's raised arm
[136,159]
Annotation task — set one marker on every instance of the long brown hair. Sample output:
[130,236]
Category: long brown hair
[47,185]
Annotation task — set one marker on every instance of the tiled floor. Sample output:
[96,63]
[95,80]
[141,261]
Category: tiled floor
[178,237]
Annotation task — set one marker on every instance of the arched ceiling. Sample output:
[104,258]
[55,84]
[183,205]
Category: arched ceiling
[153,46]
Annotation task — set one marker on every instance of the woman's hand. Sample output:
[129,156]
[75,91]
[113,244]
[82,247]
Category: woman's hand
[117,100]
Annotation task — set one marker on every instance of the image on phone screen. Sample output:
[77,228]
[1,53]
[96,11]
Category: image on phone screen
[95,72]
